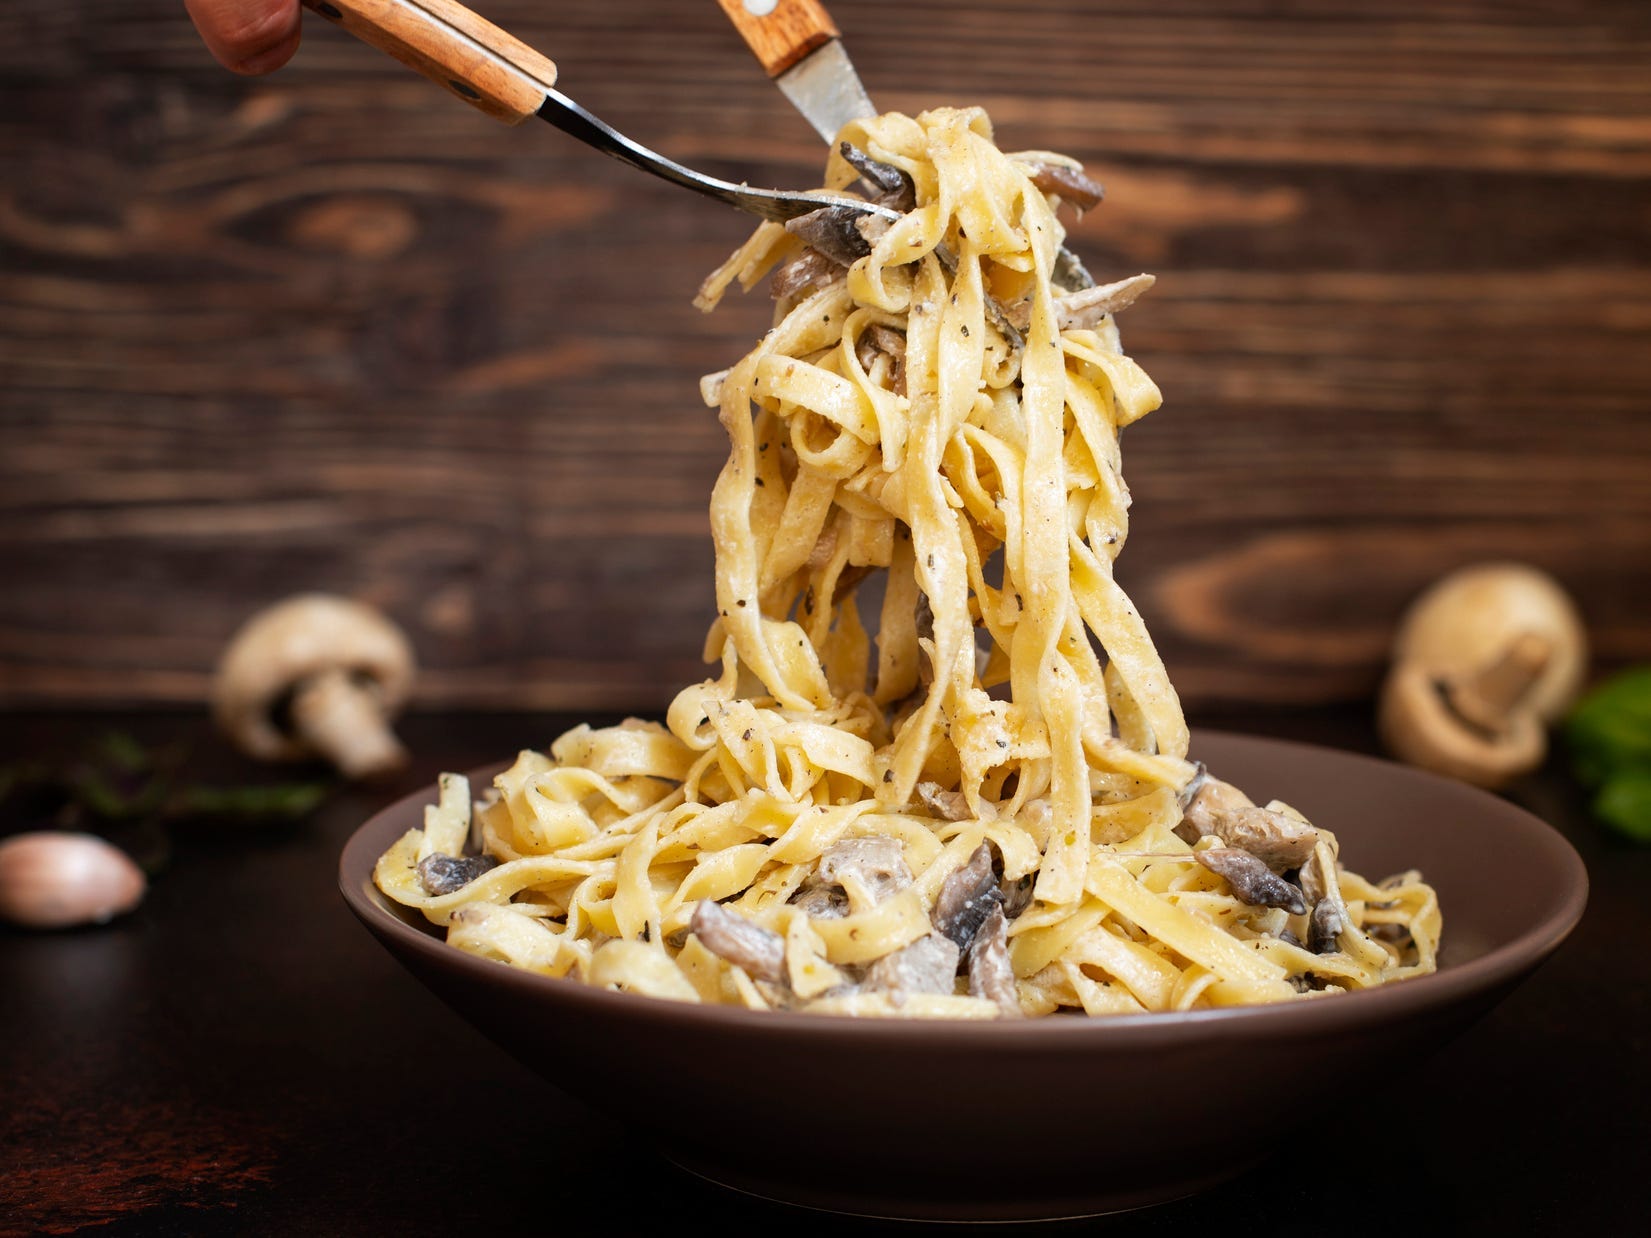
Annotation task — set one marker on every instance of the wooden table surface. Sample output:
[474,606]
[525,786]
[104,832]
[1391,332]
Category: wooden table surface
[240,1057]
[332,329]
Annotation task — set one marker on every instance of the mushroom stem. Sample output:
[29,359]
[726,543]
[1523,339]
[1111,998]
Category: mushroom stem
[344,721]
[1486,697]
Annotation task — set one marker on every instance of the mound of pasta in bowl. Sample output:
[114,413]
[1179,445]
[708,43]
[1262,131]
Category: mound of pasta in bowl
[942,782]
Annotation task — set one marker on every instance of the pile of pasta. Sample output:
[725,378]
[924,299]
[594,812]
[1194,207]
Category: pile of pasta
[928,676]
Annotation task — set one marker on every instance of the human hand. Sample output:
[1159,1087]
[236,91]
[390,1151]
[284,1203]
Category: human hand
[248,36]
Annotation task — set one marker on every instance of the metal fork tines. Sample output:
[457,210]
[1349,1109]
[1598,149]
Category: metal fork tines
[773,204]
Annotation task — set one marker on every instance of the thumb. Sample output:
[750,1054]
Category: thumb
[248,36]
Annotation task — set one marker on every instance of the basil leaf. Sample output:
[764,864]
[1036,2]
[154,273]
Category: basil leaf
[1624,804]
[1609,737]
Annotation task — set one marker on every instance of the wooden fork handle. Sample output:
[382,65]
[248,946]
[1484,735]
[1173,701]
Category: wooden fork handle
[780,32]
[452,46]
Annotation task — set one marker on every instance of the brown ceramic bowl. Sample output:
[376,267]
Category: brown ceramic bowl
[1057,1117]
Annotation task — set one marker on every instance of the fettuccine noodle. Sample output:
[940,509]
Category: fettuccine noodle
[984,809]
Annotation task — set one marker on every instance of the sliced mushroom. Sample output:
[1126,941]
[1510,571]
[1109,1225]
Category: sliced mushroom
[879,340]
[1063,177]
[864,871]
[1330,917]
[1221,809]
[1325,926]
[821,902]
[1087,308]
[1190,789]
[1316,878]
[947,805]
[890,186]
[967,898]
[928,965]
[990,973]
[443,874]
[808,271]
[730,936]
[1280,842]
[1252,882]
[316,675]
[1208,798]
[832,231]
[1017,895]
[1069,273]
[871,869]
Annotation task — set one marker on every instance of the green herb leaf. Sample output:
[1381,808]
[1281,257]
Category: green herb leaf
[1624,804]
[1609,737]
[284,800]
[120,751]
[1610,728]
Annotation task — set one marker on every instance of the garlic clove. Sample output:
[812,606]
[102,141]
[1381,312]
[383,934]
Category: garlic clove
[57,879]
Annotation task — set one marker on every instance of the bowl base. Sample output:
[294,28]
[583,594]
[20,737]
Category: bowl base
[845,1199]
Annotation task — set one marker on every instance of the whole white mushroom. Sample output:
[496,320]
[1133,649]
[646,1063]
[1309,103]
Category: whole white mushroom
[316,675]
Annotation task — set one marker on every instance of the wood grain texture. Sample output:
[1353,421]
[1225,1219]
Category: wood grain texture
[332,330]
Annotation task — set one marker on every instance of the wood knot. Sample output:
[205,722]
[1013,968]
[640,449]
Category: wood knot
[366,226]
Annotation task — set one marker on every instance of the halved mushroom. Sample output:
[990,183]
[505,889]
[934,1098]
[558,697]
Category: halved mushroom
[1457,728]
[316,675]
[1483,661]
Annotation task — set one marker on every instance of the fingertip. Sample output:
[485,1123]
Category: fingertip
[270,59]
[248,36]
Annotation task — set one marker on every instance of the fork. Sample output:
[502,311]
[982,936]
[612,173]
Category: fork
[500,75]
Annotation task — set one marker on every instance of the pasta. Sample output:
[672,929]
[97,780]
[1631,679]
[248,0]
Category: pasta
[980,804]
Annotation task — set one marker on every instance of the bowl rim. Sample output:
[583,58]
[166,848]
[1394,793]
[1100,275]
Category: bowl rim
[1498,967]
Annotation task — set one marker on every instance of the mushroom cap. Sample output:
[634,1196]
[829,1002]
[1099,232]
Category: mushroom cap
[1462,623]
[1419,727]
[295,640]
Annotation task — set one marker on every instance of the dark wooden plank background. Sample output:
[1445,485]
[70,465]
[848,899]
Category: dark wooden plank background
[333,330]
